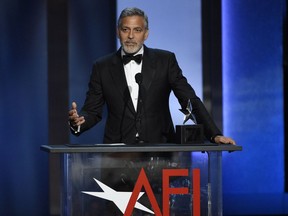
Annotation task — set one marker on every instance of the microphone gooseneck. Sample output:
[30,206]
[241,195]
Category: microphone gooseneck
[139,79]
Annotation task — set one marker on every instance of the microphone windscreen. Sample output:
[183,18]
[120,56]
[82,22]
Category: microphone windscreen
[138,78]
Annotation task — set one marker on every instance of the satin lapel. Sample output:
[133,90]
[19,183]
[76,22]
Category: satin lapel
[148,68]
[119,79]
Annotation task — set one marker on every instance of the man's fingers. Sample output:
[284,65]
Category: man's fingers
[74,108]
[81,121]
[74,118]
[73,115]
[76,121]
[74,105]
[232,142]
[227,140]
[73,112]
[224,140]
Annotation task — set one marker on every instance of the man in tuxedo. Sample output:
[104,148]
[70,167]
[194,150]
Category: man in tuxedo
[138,105]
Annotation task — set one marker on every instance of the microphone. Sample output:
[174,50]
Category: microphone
[139,78]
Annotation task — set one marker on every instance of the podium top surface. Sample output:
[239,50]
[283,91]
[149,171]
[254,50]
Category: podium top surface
[121,147]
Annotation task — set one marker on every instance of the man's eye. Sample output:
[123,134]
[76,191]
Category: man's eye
[138,30]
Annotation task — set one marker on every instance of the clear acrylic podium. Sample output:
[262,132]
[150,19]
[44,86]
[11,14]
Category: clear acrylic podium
[146,179]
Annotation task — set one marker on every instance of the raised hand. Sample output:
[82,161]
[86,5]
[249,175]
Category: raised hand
[74,119]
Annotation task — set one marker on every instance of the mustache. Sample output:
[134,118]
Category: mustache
[130,41]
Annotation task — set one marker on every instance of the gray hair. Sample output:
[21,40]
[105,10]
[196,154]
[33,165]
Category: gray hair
[133,12]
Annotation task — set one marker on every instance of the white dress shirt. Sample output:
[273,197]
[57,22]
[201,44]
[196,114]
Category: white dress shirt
[131,69]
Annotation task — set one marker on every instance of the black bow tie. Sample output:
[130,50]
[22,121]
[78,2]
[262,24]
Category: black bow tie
[136,58]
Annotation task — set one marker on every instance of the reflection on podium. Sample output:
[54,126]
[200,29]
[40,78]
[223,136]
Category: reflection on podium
[154,179]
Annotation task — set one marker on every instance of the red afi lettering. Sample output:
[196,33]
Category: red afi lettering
[143,181]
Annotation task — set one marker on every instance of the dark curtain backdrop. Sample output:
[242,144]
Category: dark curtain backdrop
[33,69]
[92,34]
[23,108]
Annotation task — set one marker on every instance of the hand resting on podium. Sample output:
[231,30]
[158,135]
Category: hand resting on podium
[219,139]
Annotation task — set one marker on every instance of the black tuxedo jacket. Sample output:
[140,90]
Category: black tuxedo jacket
[152,121]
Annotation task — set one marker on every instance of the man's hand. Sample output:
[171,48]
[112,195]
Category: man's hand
[74,119]
[224,140]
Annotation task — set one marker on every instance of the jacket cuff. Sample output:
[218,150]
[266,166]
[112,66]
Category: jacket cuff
[212,139]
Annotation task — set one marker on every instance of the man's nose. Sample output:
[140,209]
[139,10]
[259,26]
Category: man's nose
[131,35]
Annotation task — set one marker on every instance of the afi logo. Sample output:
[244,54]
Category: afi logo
[127,201]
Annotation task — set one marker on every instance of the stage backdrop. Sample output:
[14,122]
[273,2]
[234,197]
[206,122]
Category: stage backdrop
[253,181]
[23,108]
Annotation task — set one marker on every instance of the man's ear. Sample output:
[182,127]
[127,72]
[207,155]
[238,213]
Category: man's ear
[117,32]
[146,34]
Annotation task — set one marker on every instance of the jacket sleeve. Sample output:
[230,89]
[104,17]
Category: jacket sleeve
[94,102]
[183,91]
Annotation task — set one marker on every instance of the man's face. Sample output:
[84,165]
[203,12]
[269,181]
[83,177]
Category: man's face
[132,33]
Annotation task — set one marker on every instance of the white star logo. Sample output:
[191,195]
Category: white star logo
[121,199]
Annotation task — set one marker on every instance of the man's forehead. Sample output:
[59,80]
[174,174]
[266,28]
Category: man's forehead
[133,21]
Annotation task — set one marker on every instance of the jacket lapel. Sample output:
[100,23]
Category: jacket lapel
[148,68]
